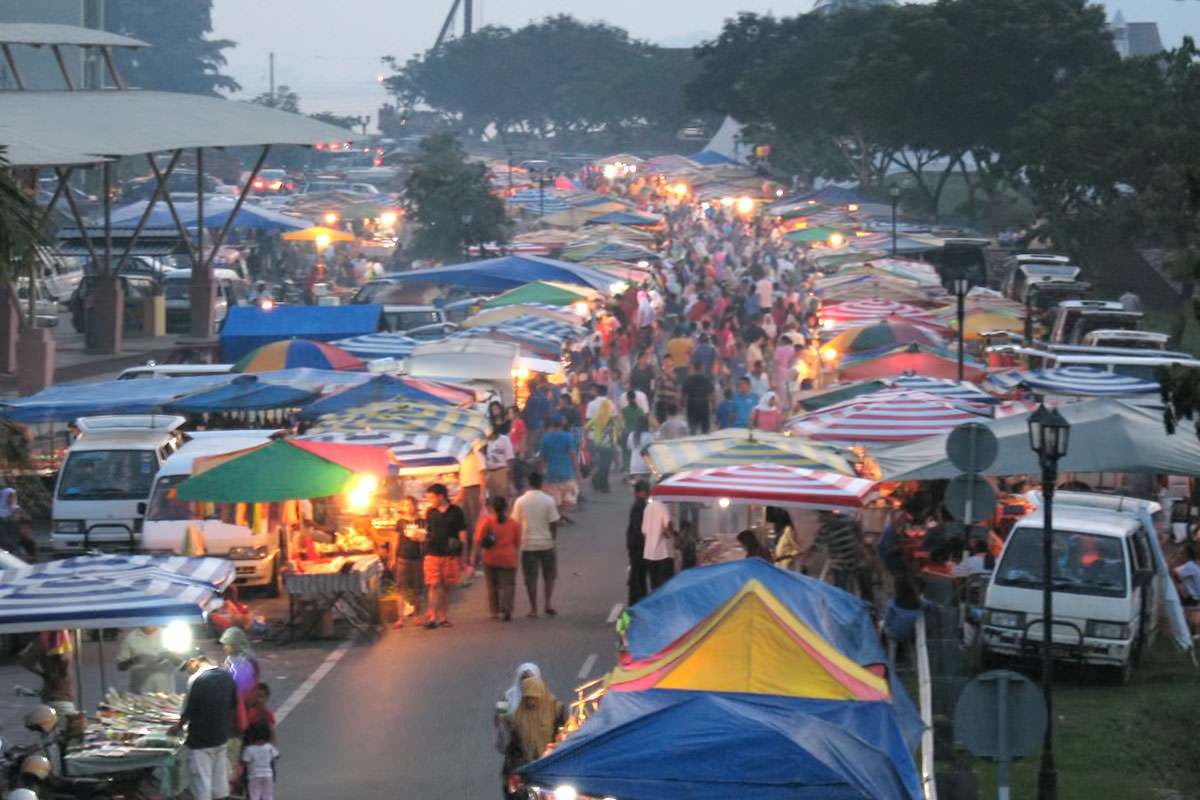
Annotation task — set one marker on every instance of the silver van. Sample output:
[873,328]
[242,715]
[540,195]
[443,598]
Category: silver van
[177,292]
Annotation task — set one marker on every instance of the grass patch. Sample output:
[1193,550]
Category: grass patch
[1128,742]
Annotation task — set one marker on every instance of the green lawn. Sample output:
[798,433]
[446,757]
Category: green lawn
[1135,742]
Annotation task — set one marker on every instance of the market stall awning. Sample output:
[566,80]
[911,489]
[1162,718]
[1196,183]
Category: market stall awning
[446,429]
[294,353]
[378,345]
[888,416]
[716,746]
[69,401]
[377,390]
[733,446]
[1073,380]
[885,333]
[494,316]
[508,272]
[766,485]
[110,591]
[873,309]
[249,327]
[752,643]
[947,388]
[243,393]
[910,359]
[549,293]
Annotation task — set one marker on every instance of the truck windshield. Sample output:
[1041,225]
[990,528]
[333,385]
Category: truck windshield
[1083,563]
[107,475]
[165,507]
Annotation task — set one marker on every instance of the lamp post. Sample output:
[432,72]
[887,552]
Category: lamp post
[961,286]
[1048,436]
[894,194]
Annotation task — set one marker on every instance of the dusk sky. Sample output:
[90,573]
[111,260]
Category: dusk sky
[329,52]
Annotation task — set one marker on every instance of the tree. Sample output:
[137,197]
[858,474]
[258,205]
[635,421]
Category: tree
[20,233]
[283,99]
[450,201]
[180,58]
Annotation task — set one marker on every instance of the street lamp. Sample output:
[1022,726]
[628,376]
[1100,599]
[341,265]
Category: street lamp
[961,286]
[894,194]
[1048,436]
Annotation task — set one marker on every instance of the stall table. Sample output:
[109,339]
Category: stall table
[347,585]
[129,744]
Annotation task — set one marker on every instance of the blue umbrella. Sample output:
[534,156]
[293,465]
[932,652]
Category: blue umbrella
[494,275]
[376,390]
[244,393]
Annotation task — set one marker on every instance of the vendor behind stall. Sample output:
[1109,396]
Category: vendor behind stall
[150,666]
[49,656]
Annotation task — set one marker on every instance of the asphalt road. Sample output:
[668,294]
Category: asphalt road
[409,714]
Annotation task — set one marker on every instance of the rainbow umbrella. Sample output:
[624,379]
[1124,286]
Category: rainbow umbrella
[279,471]
[290,353]
[888,333]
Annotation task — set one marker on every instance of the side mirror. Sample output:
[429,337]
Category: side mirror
[1143,578]
[141,509]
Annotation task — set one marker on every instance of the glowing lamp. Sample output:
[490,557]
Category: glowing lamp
[609,171]
[829,354]
[836,239]
[723,502]
[359,497]
[616,287]
[779,192]
[566,792]
[727,201]
[827,324]
[521,374]
[331,218]
[177,638]
[643,264]
[322,241]
[388,218]
[745,205]
[267,304]
[581,308]
[852,207]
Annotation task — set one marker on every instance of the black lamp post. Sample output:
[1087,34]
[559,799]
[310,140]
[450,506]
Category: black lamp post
[894,194]
[961,286]
[1048,436]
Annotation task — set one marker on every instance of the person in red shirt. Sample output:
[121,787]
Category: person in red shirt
[748,539]
[500,559]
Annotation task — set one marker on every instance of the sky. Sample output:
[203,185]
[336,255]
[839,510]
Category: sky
[329,52]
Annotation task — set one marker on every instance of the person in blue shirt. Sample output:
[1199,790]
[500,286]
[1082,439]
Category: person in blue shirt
[705,353]
[537,414]
[561,467]
[725,410]
[743,403]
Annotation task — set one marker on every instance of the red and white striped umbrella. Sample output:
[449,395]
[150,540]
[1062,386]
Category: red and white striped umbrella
[854,310]
[767,485]
[885,417]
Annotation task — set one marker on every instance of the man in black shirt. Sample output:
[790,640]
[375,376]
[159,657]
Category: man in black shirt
[698,393]
[209,711]
[635,543]
[445,542]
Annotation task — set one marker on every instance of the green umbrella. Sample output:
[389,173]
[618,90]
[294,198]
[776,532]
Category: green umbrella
[819,233]
[544,292]
[266,475]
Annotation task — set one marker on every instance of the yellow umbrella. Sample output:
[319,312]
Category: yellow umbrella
[318,233]
[976,323]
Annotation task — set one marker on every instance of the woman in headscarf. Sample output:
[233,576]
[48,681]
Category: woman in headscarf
[10,511]
[532,726]
[240,661]
[766,416]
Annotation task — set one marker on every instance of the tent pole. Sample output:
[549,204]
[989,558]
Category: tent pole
[100,652]
[79,706]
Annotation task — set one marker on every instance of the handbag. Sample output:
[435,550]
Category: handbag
[488,540]
[454,546]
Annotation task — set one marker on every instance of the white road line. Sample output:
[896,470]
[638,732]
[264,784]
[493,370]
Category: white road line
[616,612]
[586,669]
[302,691]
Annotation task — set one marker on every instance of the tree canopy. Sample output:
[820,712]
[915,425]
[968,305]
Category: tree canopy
[558,77]
[182,58]
[450,201]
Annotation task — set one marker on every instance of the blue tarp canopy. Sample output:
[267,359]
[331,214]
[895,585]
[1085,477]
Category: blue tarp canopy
[711,158]
[664,743]
[216,214]
[68,401]
[243,393]
[495,275]
[838,617]
[376,390]
[247,328]
[623,218]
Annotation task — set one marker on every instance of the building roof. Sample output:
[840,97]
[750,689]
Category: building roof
[77,127]
[37,34]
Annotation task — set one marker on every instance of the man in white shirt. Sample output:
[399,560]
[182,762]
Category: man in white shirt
[498,455]
[144,656]
[659,552]
[537,514]
[765,289]
[471,475]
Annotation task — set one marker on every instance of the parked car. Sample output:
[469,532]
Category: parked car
[45,304]
[177,291]
[138,287]
[273,181]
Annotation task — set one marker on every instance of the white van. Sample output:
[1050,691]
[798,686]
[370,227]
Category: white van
[248,536]
[177,296]
[1106,581]
[106,475]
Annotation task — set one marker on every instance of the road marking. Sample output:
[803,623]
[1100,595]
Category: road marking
[616,612]
[586,669]
[302,691]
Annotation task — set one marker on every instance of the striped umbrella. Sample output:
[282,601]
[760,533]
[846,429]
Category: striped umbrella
[1075,380]
[886,417]
[734,446]
[769,485]
[110,591]
[378,345]
[873,308]
[445,429]
[912,359]
[943,387]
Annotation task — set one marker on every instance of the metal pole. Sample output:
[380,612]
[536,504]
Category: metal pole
[894,199]
[1048,773]
[961,314]
[542,194]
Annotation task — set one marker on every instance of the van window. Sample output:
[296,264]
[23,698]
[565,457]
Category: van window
[1083,564]
[108,475]
[407,320]
[1141,551]
[165,507]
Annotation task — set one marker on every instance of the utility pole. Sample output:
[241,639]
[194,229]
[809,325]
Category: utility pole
[271,73]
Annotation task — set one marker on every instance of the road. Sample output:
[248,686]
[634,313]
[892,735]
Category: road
[410,714]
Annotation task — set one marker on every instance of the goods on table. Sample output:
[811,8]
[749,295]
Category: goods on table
[345,542]
[130,724]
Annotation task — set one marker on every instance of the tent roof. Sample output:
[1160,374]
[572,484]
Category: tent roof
[68,401]
[275,472]
[243,393]
[43,128]
[249,327]
[753,643]
[37,34]
[1106,436]
[662,743]
[509,272]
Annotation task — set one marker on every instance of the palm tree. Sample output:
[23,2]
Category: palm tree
[20,233]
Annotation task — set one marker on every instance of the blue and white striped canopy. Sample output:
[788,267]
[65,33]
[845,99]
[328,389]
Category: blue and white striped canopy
[413,451]
[539,201]
[378,345]
[1076,380]
[541,331]
[110,591]
[943,387]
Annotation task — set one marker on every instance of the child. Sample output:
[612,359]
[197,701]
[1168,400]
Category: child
[258,755]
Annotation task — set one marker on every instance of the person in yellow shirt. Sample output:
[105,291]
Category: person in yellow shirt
[680,348]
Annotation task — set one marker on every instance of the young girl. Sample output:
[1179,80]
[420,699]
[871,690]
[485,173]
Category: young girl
[258,755]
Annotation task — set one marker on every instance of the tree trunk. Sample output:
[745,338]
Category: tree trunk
[10,326]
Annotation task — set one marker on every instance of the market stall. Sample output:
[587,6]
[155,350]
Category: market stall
[349,586]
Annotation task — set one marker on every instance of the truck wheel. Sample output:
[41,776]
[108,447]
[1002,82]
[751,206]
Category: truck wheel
[275,585]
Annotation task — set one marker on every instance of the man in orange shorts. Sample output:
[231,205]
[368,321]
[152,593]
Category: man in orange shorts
[445,545]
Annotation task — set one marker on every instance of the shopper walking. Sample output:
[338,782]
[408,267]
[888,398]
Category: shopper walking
[635,544]
[209,713]
[561,463]
[659,551]
[601,431]
[445,545]
[499,536]
[527,729]
[537,514]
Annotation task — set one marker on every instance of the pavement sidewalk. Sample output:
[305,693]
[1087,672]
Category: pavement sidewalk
[73,364]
